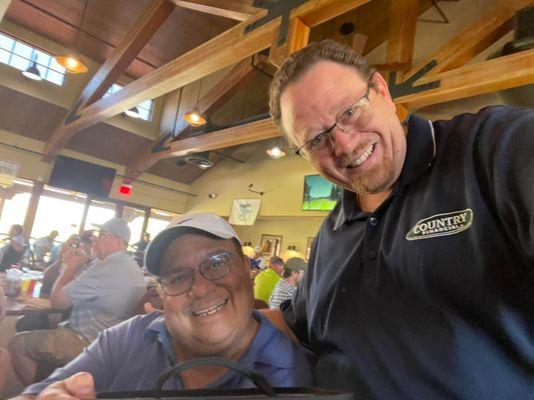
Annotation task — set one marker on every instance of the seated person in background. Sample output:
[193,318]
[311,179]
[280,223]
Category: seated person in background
[84,242]
[42,321]
[286,287]
[207,312]
[55,253]
[43,245]
[5,360]
[258,261]
[106,293]
[267,279]
[12,251]
[140,248]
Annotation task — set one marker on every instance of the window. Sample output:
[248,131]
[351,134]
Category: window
[144,108]
[158,221]
[21,56]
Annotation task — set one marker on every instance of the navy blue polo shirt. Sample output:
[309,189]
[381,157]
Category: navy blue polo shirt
[431,295]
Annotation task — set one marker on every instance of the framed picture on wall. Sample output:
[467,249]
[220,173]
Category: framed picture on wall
[244,211]
[271,245]
[319,194]
[309,245]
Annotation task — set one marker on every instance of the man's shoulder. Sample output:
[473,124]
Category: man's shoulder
[136,328]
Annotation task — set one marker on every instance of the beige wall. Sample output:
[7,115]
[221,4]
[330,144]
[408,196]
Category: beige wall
[32,167]
[295,231]
[280,213]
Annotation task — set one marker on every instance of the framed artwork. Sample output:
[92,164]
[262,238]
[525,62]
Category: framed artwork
[319,194]
[244,211]
[271,245]
[309,245]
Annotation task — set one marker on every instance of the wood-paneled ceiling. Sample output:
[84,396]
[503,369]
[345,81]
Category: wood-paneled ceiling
[199,37]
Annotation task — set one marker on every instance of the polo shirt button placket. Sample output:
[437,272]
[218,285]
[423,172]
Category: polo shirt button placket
[373,221]
[372,254]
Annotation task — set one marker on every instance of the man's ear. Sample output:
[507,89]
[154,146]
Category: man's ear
[246,262]
[379,84]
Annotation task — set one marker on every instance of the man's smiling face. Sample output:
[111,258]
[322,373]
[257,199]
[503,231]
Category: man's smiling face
[214,317]
[366,161]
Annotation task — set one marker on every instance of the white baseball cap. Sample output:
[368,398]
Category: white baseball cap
[206,222]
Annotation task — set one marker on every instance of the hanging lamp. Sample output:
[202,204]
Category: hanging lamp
[276,151]
[32,72]
[71,61]
[195,118]
[133,112]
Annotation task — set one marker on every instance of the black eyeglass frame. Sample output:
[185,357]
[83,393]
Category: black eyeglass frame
[191,273]
[328,132]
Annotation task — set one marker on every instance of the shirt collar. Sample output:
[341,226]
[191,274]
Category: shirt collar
[420,153]
[158,329]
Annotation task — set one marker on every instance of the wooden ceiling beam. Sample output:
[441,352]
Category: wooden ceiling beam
[403,20]
[216,97]
[315,12]
[471,80]
[142,31]
[223,50]
[4,5]
[239,10]
[227,87]
[474,39]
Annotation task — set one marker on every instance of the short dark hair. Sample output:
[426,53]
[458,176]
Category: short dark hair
[277,260]
[301,61]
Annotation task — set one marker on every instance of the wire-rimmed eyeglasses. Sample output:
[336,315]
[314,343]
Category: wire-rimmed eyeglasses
[353,119]
[180,282]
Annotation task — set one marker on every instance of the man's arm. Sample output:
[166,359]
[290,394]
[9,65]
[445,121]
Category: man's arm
[78,386]
[73,259]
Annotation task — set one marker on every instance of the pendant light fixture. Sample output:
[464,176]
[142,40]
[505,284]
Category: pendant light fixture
[194,117]
[71,61]
[276,151]
[32,72]
[133,112]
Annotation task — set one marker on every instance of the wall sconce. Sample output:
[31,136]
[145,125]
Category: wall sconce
[247,243]
[212,195]
[292,247]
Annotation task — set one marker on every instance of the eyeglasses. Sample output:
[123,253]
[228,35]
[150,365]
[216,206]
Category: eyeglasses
[353,119]
[215,267]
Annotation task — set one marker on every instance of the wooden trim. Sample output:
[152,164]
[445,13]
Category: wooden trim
[471,80]
[143,29]
[315,12]
[29,218]
[474,39]
[252,132]
[4,5]
[403,19]
[239,10]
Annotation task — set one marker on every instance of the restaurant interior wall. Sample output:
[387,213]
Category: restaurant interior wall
[32,167]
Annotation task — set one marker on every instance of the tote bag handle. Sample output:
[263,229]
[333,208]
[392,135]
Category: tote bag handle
[258,379]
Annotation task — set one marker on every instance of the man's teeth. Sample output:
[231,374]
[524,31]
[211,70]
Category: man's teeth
[209,311]
[364,156]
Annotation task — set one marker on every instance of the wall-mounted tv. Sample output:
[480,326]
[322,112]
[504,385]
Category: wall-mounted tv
[319,194]
[81,176]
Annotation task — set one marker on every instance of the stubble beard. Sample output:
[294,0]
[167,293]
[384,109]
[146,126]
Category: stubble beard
[377,180]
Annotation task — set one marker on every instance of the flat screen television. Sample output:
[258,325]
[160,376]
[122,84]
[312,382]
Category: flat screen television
[319,194]
[81,176]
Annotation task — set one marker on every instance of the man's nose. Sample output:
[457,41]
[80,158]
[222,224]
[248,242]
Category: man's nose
[341,142]
[201,285]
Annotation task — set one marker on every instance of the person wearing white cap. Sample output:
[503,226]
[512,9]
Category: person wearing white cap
[208,311]
[103,295]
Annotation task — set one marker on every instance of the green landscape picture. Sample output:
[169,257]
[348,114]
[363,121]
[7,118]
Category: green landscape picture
[319,194]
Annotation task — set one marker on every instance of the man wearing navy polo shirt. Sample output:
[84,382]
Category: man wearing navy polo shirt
[207,312]
[420,281]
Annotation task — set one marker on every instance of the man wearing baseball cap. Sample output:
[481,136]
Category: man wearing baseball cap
[208,311]
[105,294]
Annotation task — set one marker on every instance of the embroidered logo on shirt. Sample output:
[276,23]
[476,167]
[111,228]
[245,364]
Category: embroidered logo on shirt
[441,225]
